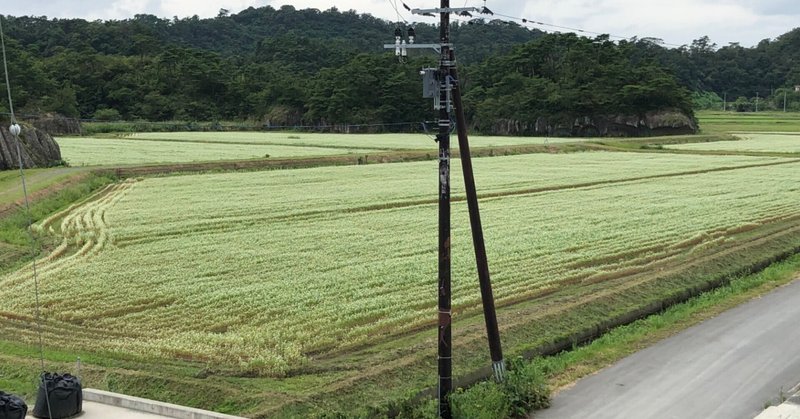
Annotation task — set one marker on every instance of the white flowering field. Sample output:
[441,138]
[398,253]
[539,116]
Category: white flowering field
[91,151]
[775,143]
[263,271]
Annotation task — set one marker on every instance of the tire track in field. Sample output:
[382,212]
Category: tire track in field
[474,334]
[83,230]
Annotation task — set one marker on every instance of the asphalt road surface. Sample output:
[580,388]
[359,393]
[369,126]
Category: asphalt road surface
[728,367]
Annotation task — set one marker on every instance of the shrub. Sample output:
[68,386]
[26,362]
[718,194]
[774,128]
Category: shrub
[526,387]
[485,400]
[107,115]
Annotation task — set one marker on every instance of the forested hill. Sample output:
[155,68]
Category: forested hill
[245,32]
[767,69]
[288,66]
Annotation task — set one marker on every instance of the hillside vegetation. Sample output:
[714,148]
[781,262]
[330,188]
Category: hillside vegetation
[287,67]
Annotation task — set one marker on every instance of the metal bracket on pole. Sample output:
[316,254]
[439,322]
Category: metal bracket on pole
[435,47]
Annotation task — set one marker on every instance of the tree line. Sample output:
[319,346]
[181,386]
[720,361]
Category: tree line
[287,66]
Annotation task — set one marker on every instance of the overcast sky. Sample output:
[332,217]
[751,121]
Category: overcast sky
[674,21]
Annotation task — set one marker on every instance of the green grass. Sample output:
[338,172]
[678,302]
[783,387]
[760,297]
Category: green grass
[491,400]
[725,122]
[773,143]
[297,276]
[11,191]
[99,127]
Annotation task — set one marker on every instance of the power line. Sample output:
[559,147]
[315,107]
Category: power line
[15,129]
[393,3]
[485,10]
[577,30]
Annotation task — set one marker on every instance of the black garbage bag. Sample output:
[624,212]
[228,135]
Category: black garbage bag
[12,407]
[64,394]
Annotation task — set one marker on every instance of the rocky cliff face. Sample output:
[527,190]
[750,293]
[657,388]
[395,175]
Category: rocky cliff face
[55,124]
[650,124]
[38,149]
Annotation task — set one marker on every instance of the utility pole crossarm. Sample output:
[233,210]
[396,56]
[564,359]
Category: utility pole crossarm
[434,47]
[456,10]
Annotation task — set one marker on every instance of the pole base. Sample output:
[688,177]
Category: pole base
[499,370]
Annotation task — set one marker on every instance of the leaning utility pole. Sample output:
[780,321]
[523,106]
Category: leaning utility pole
[442,85]
[487,296]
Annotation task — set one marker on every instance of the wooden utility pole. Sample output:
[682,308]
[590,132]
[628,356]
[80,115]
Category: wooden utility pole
[442,85]
[445,357]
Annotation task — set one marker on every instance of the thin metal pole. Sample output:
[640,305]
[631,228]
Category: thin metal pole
[15,130]
[487,296]
[445,360]
[784,101]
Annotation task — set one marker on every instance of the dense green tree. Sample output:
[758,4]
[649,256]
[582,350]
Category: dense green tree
[288,66]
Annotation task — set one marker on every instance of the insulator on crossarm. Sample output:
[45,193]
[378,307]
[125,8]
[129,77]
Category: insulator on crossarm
[412,34]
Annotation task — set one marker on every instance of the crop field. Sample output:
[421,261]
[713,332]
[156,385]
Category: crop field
[359,141]
[90,151]
[305,290]
[713,122]
[773,143]
[259,273]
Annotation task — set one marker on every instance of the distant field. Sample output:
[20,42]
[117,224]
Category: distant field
[713,122]
[185,147]
[775,143]
[90,151]
[363,141]
[261,271]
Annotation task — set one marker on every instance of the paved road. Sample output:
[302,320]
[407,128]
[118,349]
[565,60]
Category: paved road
[727,367]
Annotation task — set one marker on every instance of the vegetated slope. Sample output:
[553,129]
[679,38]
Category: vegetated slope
[261,273]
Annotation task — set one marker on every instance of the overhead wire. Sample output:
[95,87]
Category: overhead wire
[15,131]
[527,21]
[572,29]
[393,3]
